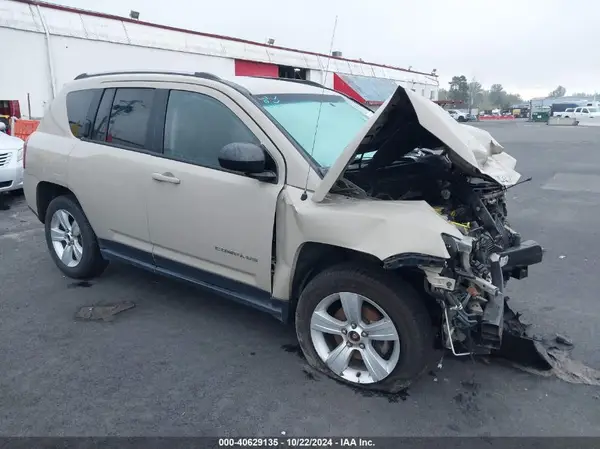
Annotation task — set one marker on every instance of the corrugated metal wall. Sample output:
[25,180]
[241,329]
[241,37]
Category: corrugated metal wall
[82,43]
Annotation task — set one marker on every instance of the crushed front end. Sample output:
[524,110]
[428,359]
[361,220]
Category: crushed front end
[470,285]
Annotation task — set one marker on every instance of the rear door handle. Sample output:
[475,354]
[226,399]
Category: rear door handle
[165,177]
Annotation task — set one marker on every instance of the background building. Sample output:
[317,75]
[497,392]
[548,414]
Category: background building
[46,45]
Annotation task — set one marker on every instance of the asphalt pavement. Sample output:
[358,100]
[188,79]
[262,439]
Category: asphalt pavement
[184,363]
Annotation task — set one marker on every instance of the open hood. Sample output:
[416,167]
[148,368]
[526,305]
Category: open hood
[407,121]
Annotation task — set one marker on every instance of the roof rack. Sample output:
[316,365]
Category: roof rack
[204,75]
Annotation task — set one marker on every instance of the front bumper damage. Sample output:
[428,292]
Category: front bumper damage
[474,307]
[513,262]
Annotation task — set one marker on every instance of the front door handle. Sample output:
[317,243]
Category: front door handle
[165,177]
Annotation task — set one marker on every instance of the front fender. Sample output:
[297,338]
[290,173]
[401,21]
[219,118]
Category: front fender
[379,228]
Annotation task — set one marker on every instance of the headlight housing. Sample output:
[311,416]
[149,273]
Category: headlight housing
[459,250]
[20,155]
[456,245]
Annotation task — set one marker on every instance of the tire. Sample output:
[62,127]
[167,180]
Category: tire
[90,262]
[392,295]
[461,119]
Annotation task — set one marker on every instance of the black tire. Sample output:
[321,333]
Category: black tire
[91,264]
[461,119]
[397,298]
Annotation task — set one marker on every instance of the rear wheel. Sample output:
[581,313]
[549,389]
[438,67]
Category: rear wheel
[71,240]
[365,327]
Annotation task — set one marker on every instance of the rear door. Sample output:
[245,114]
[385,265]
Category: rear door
[208,224]
[108,168]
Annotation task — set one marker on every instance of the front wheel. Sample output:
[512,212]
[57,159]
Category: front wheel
[365,327]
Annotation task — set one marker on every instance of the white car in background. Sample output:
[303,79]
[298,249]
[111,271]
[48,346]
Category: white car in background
[458,116]
[11,162]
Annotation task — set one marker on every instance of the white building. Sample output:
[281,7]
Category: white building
[46,45]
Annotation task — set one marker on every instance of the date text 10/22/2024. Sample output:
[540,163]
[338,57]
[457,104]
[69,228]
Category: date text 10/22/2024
[296,442]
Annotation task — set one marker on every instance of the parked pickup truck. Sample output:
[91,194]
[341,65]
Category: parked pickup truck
[585,113]
[567,113]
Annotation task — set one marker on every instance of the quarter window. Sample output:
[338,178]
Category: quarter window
[78,111]
[129,116]
[198,126]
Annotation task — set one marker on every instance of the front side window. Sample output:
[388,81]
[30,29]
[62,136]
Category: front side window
[78,110]
[129,117]
[578,110]
[585,111]
[339,121]
[197,127]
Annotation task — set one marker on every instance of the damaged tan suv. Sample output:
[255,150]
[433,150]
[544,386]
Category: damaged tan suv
[382,236]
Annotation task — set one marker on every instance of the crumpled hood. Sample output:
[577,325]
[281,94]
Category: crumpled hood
[472,149]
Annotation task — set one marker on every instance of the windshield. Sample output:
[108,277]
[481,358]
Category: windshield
[339,120]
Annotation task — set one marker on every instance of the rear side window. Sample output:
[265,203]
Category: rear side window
[129,117]
[79,105]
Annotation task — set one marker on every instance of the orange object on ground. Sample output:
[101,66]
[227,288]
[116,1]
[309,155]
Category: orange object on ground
[24,128]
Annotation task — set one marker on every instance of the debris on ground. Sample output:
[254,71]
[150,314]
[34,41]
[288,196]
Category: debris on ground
[105,312]
[561,257]
[561,339]
[542,357]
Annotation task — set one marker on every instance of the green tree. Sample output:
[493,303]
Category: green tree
[558,92]
[442,94]
[497,95]
[459,89]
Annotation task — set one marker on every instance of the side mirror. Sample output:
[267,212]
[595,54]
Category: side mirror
[246,158]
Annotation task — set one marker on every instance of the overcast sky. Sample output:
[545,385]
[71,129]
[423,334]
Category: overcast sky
[528,46]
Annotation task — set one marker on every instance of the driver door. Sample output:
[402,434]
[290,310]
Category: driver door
[207,224]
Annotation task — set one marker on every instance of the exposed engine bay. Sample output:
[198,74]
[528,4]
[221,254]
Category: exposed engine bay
[469,287]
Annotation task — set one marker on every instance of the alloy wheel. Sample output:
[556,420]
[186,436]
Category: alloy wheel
[355,338]
[66,238]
